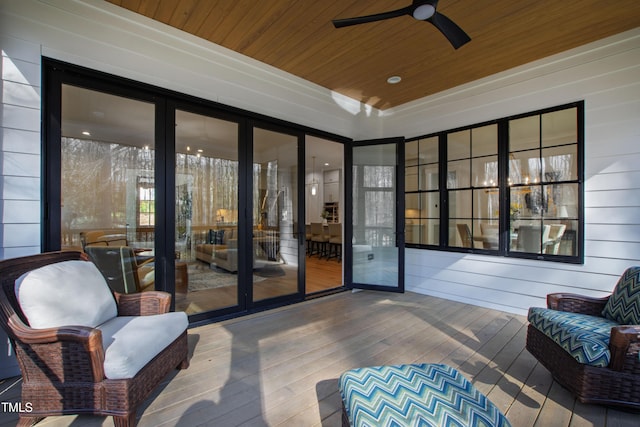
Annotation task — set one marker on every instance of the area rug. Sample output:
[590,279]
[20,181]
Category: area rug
[202,277]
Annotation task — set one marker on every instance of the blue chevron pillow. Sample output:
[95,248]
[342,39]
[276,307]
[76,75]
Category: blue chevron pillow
[624,303]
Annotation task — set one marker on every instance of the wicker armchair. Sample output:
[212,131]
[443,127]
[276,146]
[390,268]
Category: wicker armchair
[617,381]
[63,368]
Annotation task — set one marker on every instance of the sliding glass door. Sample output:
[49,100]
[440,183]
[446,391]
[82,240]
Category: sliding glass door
[274,246]
[206,213]
[168,192]
[107,184]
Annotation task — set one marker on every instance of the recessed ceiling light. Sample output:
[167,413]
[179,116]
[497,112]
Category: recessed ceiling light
[394,79]
[86,133]
[326,164]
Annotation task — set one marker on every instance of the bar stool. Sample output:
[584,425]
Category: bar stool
[319,240]
[335,241]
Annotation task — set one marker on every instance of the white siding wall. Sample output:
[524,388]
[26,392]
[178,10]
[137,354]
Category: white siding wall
[606,76]
[98,35]
[20,148]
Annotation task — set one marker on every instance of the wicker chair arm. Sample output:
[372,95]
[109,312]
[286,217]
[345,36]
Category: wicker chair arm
[624,344]
[53,341]
[92,337]
[143,303]
[575,303]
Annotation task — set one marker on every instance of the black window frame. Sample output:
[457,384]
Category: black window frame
[504,190]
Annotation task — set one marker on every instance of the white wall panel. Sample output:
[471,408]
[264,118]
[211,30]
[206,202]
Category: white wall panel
[613,198]
[20,212]
[20,141]
[19,145]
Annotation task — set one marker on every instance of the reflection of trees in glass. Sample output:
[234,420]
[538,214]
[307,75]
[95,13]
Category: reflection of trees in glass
[99,184]
[379,204]
[95,176]
[215,188]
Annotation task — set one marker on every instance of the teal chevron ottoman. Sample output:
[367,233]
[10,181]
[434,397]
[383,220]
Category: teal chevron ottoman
[425,395]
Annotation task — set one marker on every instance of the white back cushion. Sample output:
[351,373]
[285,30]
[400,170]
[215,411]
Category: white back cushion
[65,294]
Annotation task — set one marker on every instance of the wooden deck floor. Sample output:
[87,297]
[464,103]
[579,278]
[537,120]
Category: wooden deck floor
[280,368]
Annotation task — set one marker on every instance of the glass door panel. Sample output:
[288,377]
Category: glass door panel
[274,245]
[324,211]
[206,213]
[376,249]
[108,184]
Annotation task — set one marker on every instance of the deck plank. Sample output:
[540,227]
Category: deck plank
[281,368]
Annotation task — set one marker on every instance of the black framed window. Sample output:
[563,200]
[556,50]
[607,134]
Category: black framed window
[422,189]
[510,187]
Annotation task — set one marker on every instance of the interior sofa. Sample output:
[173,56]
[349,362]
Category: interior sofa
[216,240]
[592,345]
[221,248]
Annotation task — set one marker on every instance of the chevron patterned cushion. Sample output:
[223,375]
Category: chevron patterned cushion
[584,337]
[425,395]
[623,305]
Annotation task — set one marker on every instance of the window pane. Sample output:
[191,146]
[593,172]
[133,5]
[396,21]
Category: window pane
[459,174]
[429,174]
[530,237]
[524,134]
[411,178]
[486,204]
[429,150]
[484,141]
[525,167]
[560,127]
[460,204]
[485,171]
[460,234]
[563,201]
[560,163]
[430,232]
[411,153]
[486,234]
[430,204]
[412,205]
[458,145]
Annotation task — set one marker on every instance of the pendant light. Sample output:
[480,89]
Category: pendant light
[314,184]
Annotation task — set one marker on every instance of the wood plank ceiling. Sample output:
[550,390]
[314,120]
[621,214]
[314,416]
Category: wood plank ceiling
[297,36]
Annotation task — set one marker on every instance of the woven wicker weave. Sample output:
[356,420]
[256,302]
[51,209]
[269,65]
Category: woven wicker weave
[62,368]
[616,385]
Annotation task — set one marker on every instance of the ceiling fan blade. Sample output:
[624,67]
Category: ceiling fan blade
[339,23]
[456,35]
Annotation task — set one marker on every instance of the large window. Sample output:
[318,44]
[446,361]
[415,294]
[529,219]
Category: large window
[512,187]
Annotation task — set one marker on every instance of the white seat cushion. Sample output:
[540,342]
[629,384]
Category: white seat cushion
[130,342]
[68,293]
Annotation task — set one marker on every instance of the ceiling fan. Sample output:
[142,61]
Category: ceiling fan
[422,10]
